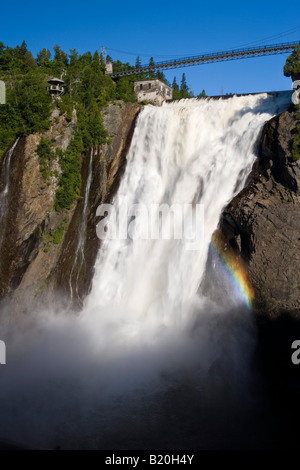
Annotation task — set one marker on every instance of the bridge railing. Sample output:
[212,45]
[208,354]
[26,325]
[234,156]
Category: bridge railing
[212,57]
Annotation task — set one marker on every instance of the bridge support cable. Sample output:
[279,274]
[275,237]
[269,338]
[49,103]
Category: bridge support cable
[211,58]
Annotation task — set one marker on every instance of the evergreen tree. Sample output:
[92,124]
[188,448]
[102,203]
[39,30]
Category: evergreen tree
[43,58]
[292,65]
[138,63]
[74,58]
[96,66]
[6,57]
[20,51]
[86,59]
[184,89]
[29,62]
[184,86]
[176,92]
[23,49]
[60,57]
[102,63]
[95,127]
[202,94]
[151,73]
[161,76]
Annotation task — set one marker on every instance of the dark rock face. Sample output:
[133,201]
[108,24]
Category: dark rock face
[33,268]
[108,165]
[263,221]
[29,215]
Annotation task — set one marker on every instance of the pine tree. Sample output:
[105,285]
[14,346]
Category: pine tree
[292,65]
[60,57]
[183,86]
[138,62]
[74,57]
[29,62]
[176,92]
[151,64]
[96,66]
[43,57]
[23,49]
[175,85]
[102,63]
[184,89]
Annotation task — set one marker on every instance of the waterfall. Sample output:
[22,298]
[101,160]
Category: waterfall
[153,360]
[5,180]
[79,254]
[187,152]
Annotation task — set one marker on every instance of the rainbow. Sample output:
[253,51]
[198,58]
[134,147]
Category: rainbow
[235,267]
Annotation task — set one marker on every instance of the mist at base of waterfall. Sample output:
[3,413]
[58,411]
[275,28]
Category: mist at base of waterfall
[62,387]
[152,361]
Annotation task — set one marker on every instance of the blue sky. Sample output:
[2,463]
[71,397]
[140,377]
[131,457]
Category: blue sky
[164,29]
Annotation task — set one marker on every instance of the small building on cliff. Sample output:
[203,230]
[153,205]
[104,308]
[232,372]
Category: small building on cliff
[56,87]
[153,91]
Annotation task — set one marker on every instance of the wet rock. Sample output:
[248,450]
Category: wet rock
[265,216]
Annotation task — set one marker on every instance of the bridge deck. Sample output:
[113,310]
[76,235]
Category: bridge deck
[212,57]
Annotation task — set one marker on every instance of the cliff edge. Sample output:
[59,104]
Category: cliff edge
[262,223]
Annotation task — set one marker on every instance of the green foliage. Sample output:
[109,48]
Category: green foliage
[138,62]
[292,65]
[151,74]
[29,62]
[46,155]
[27,109]
[97,134]
[183,91]
[65,106]
[60,62]
[55,237]
[87,89]
[43,58]
[96,65]
[33,102]
[125,89]
[202,94]
[70,179]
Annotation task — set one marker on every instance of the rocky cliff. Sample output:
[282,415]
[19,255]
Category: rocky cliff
[262,223]
[39,247]
[42,252]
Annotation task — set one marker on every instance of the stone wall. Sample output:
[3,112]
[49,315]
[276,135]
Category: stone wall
[153,91]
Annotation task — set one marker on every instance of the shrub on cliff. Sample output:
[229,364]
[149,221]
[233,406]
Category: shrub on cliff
[292,65]
[46,155]
[27,109]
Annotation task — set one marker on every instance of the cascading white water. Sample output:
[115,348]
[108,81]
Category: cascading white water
[5,178]
[102,378]
[191,151]
[79,254]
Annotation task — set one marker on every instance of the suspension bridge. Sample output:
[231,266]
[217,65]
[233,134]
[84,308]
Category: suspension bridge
[211,58]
